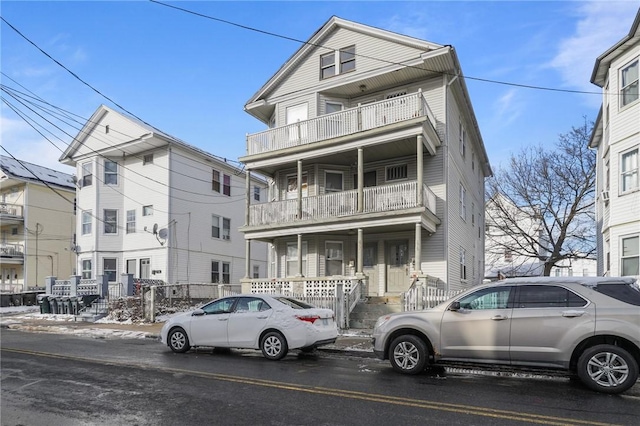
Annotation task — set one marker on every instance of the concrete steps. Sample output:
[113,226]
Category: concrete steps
[366,313]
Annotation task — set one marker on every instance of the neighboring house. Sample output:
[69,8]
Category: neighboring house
[616,137]
[503,254]
[37,222]
[158,208]
[375,161]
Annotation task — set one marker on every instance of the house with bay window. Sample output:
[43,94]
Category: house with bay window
[375,165]
[616,138]
[151,205]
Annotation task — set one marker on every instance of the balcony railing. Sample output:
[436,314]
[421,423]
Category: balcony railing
[11,250]
[383,198]
[341,123]
[14,210]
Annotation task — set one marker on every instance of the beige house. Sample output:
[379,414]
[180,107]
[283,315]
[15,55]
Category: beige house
[37,222]
[375,162]
[616,137]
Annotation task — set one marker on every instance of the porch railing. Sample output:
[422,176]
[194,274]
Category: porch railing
[11,250]
[424,294]
[11,209]
[341,123]
[344,203]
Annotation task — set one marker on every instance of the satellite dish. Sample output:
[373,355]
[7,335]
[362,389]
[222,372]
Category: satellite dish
[163,233]
[155,228]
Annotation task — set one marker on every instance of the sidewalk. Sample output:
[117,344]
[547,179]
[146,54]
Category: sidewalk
[355,342]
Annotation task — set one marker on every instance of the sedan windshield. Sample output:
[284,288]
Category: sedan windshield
[294,303]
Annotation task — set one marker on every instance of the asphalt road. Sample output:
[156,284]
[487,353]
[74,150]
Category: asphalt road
[49,379]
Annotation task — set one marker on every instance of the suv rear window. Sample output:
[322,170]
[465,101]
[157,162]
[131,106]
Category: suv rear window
[627,293]
[546,296]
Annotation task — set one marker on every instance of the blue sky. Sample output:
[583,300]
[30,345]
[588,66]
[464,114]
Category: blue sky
[191,76]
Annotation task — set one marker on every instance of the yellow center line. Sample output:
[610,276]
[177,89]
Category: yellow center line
[363,396]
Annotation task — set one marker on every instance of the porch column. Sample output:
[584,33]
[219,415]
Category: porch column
[360,260]
[247,257]
[420,166]
[418,249]
[247,187]
[299,252]
[299,196]
[360,183]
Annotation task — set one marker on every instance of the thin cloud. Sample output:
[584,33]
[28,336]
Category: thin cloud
[508,108]
[601,25]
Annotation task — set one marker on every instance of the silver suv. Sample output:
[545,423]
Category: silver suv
[589,326]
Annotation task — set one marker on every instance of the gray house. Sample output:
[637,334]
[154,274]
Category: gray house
[375,162]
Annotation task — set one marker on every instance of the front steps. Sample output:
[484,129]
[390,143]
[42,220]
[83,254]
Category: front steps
[366,313]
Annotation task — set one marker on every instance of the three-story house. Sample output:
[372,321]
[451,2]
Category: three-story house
[375,162]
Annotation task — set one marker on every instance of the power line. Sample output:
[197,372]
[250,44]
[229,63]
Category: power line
[304,42]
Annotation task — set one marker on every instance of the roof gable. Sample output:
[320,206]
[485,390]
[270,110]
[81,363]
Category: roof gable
[332,36]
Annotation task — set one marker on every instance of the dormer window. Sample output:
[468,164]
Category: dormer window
[337,62]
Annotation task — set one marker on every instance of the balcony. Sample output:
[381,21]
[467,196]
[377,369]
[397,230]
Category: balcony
[377,199]
[347,122]
[11,253]
[11,214]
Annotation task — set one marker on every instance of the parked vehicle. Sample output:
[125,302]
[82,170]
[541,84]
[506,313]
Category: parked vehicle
[273,324]
[589,326]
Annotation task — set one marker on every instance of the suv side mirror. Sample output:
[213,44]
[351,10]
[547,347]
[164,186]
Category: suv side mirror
[455,306]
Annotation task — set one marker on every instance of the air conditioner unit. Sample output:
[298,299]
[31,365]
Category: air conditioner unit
[226,237]
[605,196]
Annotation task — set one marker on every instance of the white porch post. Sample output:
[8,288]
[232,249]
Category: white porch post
[418,249]
[247,190]
[360,260]
[420,166]
[247,256]
[360,184]
[300,255]
[299,193]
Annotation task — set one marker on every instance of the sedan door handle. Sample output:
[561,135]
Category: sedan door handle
[572,314]
[499,318]
[223,319]
[263,317]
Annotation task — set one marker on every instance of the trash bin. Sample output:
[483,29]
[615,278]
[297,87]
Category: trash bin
[74,305]
[45,306]
[64,305]
[54,305]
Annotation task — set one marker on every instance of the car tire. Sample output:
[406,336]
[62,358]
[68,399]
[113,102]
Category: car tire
[607,369]
[274,346]
[408,354]
[178,340]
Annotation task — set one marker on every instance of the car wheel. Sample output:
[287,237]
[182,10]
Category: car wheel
[178,340]
[607,368]
[274,346]
[408,354]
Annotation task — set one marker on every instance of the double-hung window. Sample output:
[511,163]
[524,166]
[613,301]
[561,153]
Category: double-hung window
[463,140]
[131,221]
[87,220]
[345,58]
[220,227]
[86,269]
[110,218]
[463,264]
[630,258]
[226,228]
[221,182]
[463,202]
[87,174]
[256,193]
[110,172]
[109,268]
[629,83]
[629,170]
[226,185]
[215,181]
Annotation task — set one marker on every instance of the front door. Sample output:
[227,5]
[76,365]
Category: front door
[296,126]
[397,266]
[246,322]
[145,269]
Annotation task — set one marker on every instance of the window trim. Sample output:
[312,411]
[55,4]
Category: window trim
[463,264]
[131,224]
[338,62]
[629,257]
[113,223]
[147,210]
[333,172]
[628,65]
[86,214]
[87,174]
[86,274]
[115,269]
[634,171]
[108,175]
[462,202]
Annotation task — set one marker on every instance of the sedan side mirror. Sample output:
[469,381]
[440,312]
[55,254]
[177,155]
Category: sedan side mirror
[197,313]
[455,306]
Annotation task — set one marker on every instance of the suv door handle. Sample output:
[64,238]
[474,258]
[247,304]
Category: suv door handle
[223,319]
[499,318]
[572,314]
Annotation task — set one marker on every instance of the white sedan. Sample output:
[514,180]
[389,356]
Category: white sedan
[273,324]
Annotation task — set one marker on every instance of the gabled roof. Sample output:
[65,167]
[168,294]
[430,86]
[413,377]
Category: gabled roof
[154,133]
[315,41]
[28,172]
[601,67]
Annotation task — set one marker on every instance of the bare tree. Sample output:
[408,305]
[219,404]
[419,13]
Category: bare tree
[540,209]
